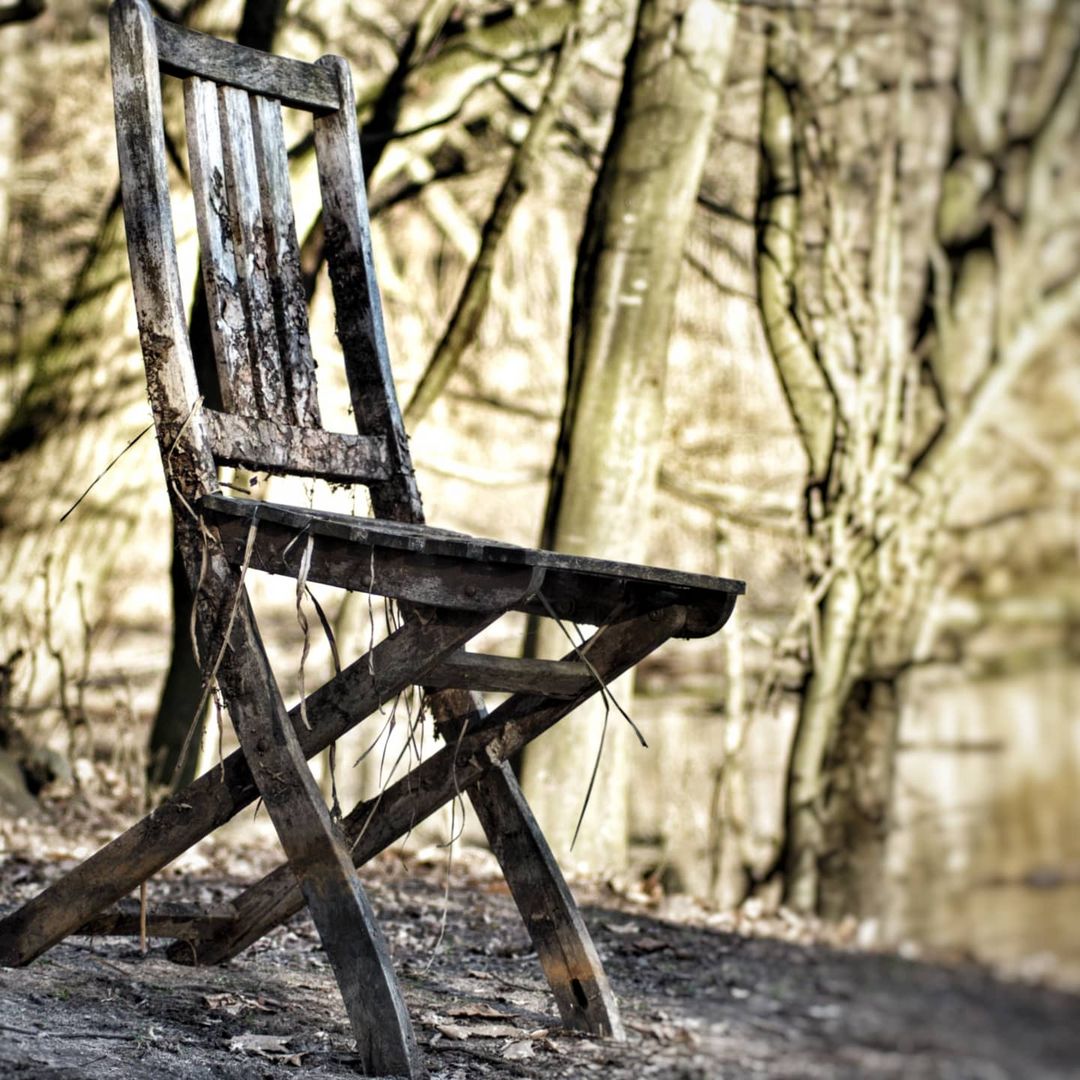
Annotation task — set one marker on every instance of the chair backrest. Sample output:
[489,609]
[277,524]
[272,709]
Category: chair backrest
[233,97]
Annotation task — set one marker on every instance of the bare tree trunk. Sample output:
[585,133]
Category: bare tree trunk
[858,813]
[824,693]
[604,475]
[894,346]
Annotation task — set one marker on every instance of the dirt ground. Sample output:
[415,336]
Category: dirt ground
[703,995]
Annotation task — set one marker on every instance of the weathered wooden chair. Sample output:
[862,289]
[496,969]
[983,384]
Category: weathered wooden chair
[448,586]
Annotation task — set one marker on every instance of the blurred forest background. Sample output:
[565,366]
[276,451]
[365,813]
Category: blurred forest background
[788,292]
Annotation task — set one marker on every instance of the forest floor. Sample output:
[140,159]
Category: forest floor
[703,995]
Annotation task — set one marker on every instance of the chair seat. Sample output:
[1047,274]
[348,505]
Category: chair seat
[576,586]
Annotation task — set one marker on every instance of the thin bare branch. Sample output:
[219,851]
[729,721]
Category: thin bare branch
[472,302]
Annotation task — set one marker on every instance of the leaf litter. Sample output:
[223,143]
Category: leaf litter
[703,994]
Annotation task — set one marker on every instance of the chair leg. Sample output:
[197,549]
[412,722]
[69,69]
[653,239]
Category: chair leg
[318,856]
[548,909]
[563,945]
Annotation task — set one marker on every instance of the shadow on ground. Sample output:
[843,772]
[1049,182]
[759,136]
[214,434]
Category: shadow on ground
[698,1002]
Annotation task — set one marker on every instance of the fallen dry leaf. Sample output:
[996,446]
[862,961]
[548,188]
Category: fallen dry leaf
[661,1032]
[493,1031]
[622,928]
[235,1004]
[453,1031]
[228,1003]
[649,944]
[518,1051]
[479,1010]
[267,1046]
[477,1031]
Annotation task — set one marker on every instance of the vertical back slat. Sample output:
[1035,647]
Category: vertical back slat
[228,319]
[250,250]
[356,298]
[290,303]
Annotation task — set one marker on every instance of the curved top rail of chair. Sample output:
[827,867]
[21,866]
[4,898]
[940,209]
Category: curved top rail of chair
[184,52]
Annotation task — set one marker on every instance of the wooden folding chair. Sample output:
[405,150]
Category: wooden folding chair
[448,586]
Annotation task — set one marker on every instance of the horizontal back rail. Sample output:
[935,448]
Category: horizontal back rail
[271,446]
[186,52]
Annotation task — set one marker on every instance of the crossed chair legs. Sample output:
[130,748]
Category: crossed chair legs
[322,855]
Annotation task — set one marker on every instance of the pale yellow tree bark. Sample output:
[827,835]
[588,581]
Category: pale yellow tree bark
[461,330]
[607,455]
[886,454]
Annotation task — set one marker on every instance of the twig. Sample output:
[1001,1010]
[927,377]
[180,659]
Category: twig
[48,1034]
[301,618]
[144,948]
[20,1030]
[608,699]
[595,770]
[335,802]
[580,653]
[93,483]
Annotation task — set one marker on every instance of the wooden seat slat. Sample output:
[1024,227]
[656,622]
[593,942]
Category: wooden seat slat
[423,539]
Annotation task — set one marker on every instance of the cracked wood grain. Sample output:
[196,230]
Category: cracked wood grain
[228,318]
[186,52]
[283,251]
[283,448]
[251,252]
